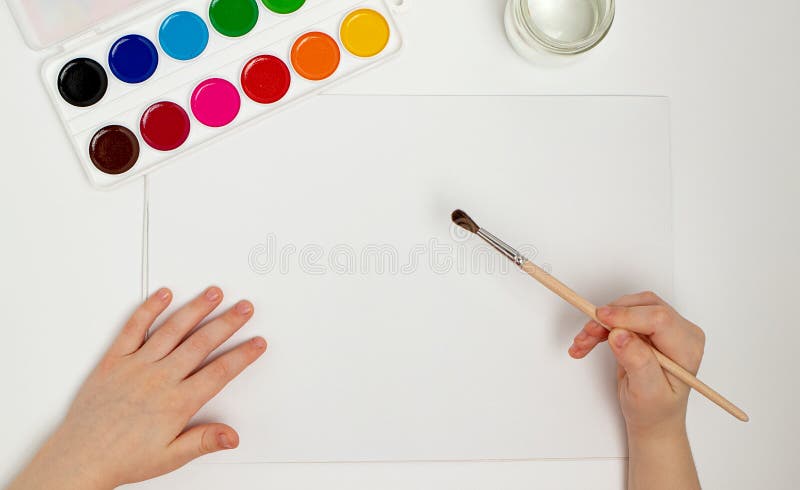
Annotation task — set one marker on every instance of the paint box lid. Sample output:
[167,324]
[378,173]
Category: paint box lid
[45,23]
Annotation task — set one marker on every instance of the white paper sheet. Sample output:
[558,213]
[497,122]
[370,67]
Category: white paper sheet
[446,352]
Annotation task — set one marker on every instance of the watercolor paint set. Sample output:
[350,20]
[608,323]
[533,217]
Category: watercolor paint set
[171,76]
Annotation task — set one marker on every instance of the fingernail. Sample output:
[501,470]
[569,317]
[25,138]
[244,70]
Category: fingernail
[244,308]
[604,312]
[581,336]
[212,294]
[259,343]
[621,338]
[224,442]
[163,294]
[573,349]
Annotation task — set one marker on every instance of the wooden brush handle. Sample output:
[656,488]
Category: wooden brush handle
[668,364]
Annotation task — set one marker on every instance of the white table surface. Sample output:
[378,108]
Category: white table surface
[71,255]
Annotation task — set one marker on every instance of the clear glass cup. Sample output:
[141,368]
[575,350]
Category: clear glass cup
[557,27]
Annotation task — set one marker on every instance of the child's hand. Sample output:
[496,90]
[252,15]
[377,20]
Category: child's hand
[653,401]
[129,421]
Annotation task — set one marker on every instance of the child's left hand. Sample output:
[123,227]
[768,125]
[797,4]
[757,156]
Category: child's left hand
[129,421]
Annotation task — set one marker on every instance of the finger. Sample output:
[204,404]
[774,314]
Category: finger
[201,440]
[132,336]
[670,333]
[646,379]
[180,323]
[210,380]
[191,353]
[645,298]
[620,370]
[592,334]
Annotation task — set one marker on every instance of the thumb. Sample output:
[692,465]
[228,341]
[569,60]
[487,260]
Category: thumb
[637,359]
[201,440]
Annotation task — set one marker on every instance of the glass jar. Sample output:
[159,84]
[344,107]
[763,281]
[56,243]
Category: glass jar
[537,28]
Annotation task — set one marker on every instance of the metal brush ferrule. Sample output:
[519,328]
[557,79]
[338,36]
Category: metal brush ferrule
[502,247]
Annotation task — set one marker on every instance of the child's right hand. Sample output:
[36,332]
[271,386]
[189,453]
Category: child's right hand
[653,401]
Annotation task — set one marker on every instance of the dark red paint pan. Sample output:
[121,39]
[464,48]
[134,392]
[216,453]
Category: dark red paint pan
[165,126]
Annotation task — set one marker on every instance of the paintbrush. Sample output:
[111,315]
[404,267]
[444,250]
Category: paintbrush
[463,220]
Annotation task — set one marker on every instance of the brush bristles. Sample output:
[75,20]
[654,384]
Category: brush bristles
[463,220]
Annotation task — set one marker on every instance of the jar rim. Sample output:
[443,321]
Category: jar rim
[525,21]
